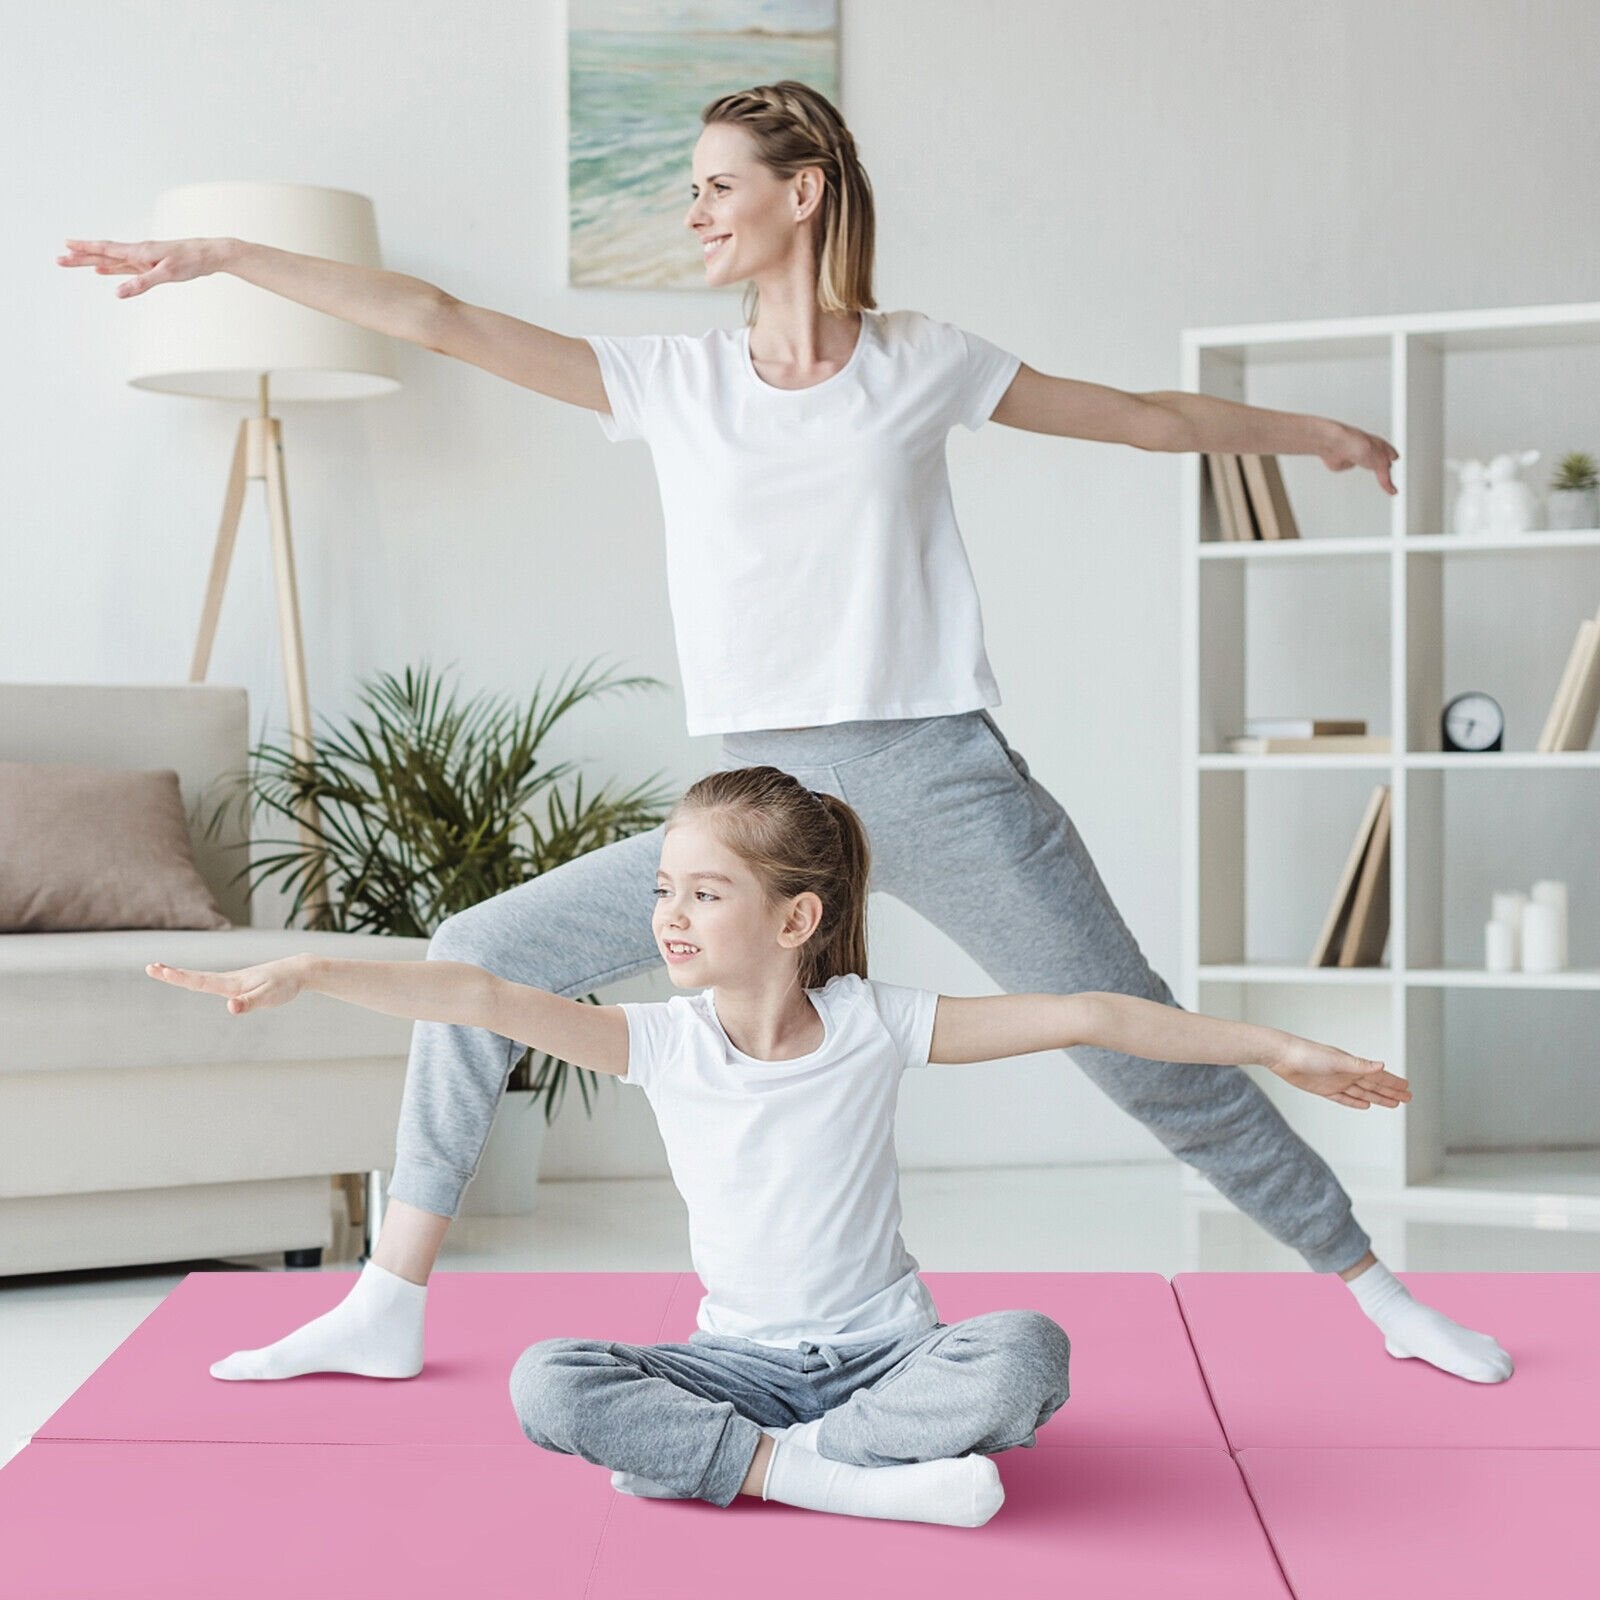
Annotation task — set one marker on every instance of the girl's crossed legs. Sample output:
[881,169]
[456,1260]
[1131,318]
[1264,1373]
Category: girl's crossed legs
[690,1417]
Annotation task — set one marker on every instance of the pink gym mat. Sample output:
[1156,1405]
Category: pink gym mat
[1467,1524]
[1134,1376]
[1291,1360]
[111,1520]
[158,1384]
[1102,1524]
[1363,1475]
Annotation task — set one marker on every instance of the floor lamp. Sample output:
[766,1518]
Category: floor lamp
[224,339]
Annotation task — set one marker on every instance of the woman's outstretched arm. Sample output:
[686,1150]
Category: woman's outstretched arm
[387,302]
[426,991]
[984,1028]
[1176,420]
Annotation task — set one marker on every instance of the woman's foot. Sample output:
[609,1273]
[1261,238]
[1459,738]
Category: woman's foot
[375,1332]
[1413,1331]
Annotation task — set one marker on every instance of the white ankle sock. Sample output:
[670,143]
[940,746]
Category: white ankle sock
[376,1331]
[960,1492]
[1413,1330]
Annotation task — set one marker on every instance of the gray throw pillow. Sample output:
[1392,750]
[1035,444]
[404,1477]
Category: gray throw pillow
[92,847]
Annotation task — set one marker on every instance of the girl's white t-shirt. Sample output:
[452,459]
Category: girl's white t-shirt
[814,566]
[788,1168]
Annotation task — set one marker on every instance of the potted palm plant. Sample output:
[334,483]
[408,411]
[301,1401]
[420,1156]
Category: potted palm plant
[422,807]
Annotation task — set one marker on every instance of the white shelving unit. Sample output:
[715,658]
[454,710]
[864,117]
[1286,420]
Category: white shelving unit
[1413,577]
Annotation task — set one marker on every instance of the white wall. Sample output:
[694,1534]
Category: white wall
[1075,181]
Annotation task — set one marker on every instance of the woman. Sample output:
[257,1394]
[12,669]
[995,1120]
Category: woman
[827,625]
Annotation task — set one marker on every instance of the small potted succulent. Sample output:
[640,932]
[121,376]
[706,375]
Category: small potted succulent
[1573,500]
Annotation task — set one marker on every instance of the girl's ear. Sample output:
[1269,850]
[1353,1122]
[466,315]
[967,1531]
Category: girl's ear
[805,912]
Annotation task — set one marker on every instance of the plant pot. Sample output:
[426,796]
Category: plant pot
[507,1181]
[1574,508]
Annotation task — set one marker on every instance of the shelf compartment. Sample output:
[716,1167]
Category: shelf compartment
[1468,837]
[1288,638]
[1272,849]
[1500,624]
[1520,1076]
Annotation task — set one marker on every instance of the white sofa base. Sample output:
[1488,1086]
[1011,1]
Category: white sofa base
[67,1232]
[106,1166]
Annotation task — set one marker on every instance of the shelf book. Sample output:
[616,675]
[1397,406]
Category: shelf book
[1250,497]
[1571,719]
[1357,925]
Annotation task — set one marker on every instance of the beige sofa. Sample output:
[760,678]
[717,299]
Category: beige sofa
[140,1123]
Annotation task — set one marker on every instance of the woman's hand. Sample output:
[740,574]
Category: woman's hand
[1353,448]
[1337,1075]
[274,983]
[153,262]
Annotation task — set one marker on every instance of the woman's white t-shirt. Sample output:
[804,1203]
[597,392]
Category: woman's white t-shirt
[788,1168]
[814,566]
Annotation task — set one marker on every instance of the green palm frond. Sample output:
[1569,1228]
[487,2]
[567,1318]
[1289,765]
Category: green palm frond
[423,806]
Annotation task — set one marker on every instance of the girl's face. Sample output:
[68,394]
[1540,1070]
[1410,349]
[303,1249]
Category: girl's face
[743,203]
[712,923]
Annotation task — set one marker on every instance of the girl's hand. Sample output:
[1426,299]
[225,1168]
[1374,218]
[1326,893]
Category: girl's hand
[274,983]
[153,262]
[1347,1079]
[1353,448]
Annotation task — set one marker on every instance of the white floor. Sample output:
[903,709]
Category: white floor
[57,1328]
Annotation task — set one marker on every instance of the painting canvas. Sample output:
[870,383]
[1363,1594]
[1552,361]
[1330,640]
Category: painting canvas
[638,74]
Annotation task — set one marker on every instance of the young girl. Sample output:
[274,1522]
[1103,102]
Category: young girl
[820,1374]
[827,624]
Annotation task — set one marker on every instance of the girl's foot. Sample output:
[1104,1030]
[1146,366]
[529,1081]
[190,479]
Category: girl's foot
[959,1492]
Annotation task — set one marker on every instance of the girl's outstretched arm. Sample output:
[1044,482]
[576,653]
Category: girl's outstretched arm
[427,991]
[984,1028]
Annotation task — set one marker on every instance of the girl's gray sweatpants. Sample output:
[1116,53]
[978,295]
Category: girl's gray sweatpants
[962,833]
[689,1416]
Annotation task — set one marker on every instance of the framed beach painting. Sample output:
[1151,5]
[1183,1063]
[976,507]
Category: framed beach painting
[638,73]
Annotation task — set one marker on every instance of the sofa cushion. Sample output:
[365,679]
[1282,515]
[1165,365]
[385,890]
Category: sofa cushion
[96,847]
[74,1000]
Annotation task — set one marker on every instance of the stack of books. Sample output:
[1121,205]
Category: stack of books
[1306,736]
[1249,497]
[1357,925]
[1570,723]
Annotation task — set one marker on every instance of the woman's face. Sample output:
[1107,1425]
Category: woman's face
[758,217]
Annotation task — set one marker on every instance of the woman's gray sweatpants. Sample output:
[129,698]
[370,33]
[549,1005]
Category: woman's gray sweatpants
[689,1416]
[962,833]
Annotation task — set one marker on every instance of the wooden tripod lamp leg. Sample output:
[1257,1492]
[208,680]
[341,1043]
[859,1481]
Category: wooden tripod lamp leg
[294,659]
[221,559]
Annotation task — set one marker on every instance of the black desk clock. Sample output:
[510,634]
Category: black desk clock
[1473,722]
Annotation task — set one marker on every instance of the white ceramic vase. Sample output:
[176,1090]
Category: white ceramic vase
[1573,508]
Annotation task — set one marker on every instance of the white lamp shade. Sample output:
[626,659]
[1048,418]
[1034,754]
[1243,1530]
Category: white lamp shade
[215,336]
